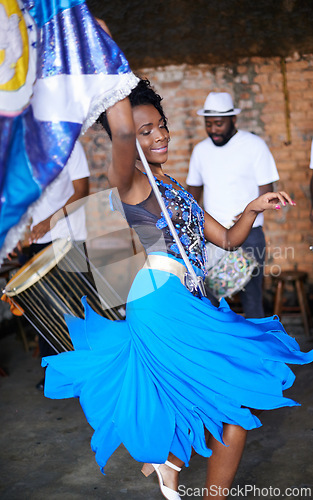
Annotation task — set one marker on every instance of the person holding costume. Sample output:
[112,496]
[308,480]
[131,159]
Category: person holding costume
[177,369]
[58,214]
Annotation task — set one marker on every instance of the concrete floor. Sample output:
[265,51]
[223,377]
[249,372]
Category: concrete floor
[45,444]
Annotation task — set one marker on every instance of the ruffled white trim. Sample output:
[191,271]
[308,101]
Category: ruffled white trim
[106,100]
[100,104]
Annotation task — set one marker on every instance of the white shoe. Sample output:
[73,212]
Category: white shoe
[166,492]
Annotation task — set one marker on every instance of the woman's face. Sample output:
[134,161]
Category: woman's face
[151,133]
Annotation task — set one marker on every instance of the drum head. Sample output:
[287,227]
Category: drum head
[37,267]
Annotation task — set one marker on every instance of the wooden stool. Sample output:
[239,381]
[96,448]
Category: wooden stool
[296,278]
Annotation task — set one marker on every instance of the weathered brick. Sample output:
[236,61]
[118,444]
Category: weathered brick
[308,93]
[297,66]
[258,90]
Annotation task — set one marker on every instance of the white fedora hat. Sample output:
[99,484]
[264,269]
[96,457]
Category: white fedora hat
[219,104]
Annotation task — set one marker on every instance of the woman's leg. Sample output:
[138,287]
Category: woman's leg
[224,462]
[222,465]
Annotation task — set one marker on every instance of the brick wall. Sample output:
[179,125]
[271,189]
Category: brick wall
[277,102]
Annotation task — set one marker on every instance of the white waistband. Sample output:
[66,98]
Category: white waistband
[163,263]
[166,264]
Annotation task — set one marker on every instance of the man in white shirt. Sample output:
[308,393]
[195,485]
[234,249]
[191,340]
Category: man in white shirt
[56,215]
[231,168]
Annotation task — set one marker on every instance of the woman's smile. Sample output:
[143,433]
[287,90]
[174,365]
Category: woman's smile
[162,149]
[152,133]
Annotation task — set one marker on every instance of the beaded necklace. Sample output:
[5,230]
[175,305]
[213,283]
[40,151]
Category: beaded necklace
[188,220]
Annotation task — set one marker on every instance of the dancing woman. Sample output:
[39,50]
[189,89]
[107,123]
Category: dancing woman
[177,368]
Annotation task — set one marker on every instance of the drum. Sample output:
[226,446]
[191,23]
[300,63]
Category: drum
[51,285]
[230,274]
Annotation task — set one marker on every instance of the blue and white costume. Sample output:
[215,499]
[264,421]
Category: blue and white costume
[176,363]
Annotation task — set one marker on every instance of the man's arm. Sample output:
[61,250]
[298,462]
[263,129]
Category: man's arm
[196,192]
[81,190]
[266,188]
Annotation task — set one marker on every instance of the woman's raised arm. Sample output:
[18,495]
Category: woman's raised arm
[122,168]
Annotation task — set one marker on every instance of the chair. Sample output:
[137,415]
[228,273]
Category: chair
[296,279]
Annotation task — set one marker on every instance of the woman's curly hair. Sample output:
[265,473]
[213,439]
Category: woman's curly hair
[142,94]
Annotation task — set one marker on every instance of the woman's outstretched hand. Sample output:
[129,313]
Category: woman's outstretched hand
[233,237]
[271,201]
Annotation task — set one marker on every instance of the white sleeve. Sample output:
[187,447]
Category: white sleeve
[264,164]
[194,177]
[311,161]
[77,163]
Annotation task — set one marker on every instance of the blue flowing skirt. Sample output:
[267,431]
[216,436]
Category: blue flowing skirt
[175,365]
